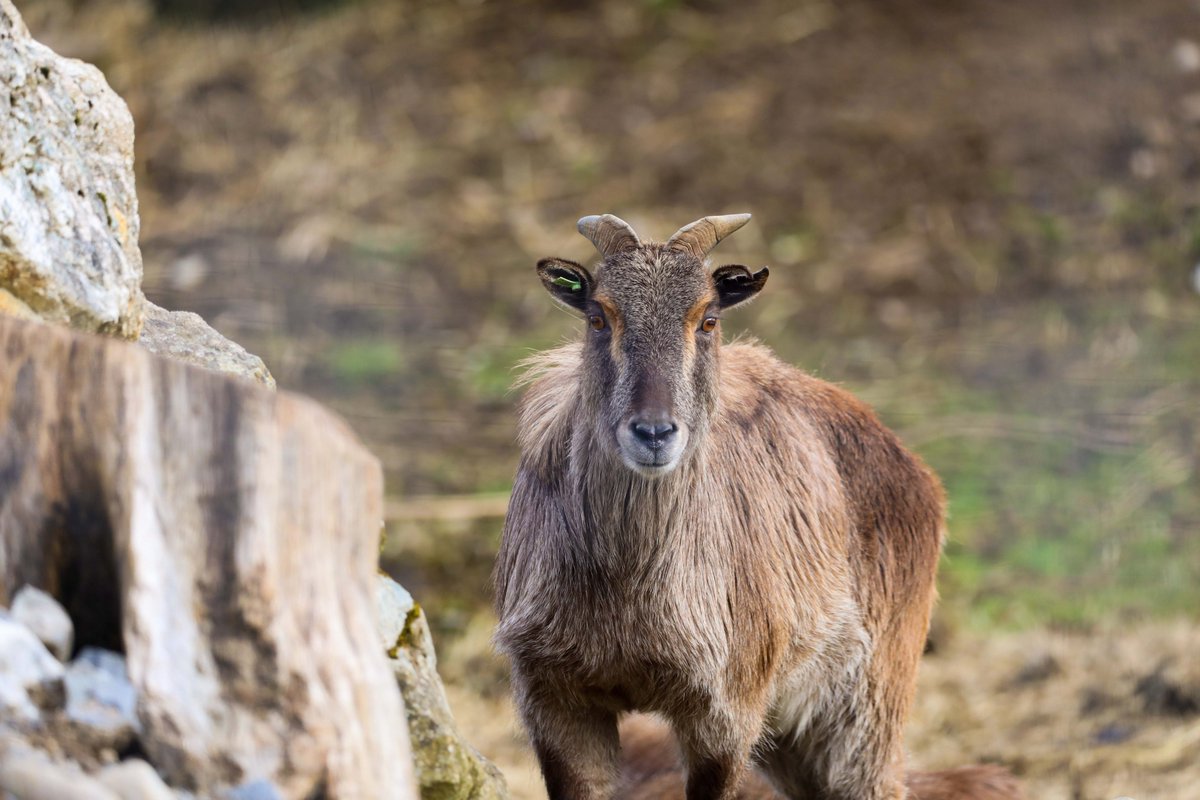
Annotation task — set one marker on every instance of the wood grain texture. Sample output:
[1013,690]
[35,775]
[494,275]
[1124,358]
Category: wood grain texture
[225,538]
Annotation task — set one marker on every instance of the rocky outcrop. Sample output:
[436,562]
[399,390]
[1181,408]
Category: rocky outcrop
[68,209]
[187,337]
[223,538]
[448,768]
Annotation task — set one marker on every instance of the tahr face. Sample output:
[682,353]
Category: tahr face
[652,341]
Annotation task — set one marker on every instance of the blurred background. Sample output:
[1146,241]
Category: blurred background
[981,217]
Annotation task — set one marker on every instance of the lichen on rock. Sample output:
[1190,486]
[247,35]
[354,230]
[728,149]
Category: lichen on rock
[448,768]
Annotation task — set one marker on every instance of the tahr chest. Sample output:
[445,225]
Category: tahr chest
[624,631]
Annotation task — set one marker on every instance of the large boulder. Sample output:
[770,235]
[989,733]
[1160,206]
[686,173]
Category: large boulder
[225,539]
[69,214]
[68,209]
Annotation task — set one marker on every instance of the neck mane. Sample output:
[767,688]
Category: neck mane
[614,515]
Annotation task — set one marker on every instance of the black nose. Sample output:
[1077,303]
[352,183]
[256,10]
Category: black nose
[654,434]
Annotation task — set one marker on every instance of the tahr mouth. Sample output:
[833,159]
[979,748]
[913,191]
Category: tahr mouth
[650,461]
[652,468]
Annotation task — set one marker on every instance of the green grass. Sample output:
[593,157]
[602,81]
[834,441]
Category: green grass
[1070,527]
[366,361]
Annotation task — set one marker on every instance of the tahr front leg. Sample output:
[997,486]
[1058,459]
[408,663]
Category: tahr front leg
[577,745]
[716,750]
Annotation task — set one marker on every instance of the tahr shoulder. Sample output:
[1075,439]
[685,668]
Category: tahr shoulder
[757,384]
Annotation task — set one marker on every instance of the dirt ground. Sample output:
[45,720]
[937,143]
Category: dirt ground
[983,217]
[1076,716]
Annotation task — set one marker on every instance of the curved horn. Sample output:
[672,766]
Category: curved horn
[610,234]
[701,236]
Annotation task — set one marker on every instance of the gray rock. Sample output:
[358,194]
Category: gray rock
[134,779]
[398,612]
[187,337]
[260,789]
[101,702]
[448,767]
[29,676]
[42,614]
[68,210]
[32,776]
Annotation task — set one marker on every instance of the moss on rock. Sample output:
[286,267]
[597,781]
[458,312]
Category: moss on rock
[448,768]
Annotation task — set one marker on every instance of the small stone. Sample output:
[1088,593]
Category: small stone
[260,789]
[29,676]
[1037,668]
[396,608]
[134,779]
[32,776]
[1164,696]
[1114,734]
[104,660]
[101,702]
[42,614]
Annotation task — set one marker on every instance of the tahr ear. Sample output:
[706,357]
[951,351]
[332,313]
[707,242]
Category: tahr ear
[735,284]
[566,281]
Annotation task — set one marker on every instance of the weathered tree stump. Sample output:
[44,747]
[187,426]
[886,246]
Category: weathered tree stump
[225,538]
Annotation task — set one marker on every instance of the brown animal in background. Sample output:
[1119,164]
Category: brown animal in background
[704,532]
[651,769]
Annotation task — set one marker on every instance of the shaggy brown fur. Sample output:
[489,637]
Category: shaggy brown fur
[761,574]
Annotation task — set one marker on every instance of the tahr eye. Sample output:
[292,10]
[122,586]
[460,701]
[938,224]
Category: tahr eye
[597,322]
[709,324]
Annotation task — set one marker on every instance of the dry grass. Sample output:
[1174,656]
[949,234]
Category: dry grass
[1076,716]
